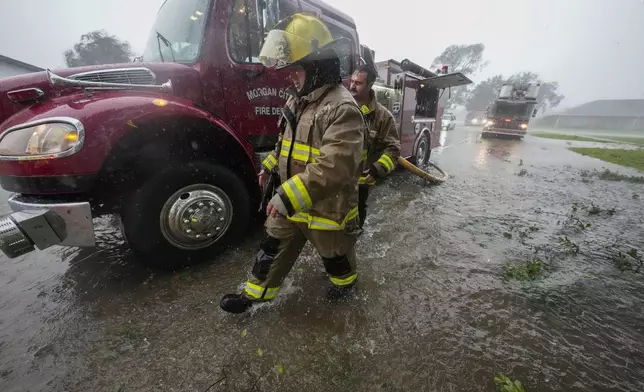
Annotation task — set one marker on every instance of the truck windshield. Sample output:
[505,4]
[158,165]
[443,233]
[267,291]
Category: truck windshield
[509,110]
[177,32]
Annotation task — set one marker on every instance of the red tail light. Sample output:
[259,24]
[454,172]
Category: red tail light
[25,95]
[507,119]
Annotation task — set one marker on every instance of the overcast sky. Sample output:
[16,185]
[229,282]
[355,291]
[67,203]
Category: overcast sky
[593,48]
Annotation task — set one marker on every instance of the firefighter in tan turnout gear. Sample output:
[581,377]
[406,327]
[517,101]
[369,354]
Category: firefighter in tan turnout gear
[383,145]
[319,159]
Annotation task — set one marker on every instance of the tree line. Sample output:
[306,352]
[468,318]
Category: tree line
[99,47]
[469,60]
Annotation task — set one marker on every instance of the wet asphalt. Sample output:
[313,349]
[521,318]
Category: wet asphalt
[431,312]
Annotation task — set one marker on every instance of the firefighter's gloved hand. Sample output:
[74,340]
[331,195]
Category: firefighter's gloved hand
[276,207]
[263,179]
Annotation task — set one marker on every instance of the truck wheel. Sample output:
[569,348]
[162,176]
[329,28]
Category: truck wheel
[422,151]
[186,214]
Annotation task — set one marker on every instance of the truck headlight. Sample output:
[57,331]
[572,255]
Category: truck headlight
[524,126]
[43,139]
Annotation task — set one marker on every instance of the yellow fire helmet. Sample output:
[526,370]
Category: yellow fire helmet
[294,38]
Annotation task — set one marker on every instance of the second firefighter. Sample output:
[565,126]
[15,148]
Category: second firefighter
[383,144]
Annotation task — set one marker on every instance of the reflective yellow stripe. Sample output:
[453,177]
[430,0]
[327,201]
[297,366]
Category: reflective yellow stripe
[386,161]
[343,282]
[364,155]
[270,162]
[300,187]
[319,223]
[297,193]
[363,181]
[297,155]
[364,109]
[256,291]
[301,217]
[300,152]
[295,200]
[352,214]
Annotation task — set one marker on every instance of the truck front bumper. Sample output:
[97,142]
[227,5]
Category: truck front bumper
[504,131]
[74,218]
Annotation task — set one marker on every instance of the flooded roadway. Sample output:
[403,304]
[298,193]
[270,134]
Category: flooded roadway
[431,313]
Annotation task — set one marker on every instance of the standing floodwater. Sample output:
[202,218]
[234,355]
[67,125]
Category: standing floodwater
[432,313]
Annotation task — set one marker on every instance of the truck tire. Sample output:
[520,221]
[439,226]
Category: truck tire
[186,214]
[421,155]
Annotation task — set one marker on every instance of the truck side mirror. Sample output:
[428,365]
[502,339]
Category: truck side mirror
[534,113]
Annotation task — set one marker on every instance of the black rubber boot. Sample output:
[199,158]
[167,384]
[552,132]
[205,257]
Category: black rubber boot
[235,303]
[335,293]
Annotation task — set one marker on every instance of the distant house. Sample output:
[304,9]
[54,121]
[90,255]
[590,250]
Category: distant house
[607,114]
[387,71]
[12,67]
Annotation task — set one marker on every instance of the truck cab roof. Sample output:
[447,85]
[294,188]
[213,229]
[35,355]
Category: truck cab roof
[332,12]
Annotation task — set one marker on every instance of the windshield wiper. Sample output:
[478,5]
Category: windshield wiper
[167,43]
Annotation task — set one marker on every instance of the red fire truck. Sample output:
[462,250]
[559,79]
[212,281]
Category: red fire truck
[171,143]
[509,115]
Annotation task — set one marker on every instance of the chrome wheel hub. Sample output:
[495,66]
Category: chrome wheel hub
[421,154]
[196,216]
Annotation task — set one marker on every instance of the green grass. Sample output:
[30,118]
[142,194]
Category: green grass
[560,136]
[529,270]
[506,384]
[598,139]
[628,158]
[632,140]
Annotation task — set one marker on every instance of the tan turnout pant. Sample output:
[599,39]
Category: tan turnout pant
[282,246]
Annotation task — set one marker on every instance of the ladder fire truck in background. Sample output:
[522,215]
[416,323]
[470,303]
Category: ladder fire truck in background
[172,143]
[509,114]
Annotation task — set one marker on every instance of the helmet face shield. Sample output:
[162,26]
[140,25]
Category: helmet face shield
[282,48]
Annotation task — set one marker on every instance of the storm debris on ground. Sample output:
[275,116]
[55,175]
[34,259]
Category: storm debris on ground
[525,271]
[609,175]
[442,288]
[505,384]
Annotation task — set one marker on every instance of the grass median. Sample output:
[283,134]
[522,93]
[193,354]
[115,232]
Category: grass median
[560,136]
[632,140]
[628,158]
[599,139]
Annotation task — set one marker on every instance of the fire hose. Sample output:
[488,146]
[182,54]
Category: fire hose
[421,173]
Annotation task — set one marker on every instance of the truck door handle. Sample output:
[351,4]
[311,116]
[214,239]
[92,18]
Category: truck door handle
[251,73]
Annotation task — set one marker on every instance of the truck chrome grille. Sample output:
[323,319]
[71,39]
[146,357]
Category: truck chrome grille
[122,75]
